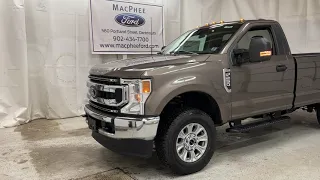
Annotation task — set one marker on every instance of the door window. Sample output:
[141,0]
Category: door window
[244,43]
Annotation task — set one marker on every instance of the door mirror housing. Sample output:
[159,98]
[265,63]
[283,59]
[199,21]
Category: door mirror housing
[240,56]
[259,49]
[163,47]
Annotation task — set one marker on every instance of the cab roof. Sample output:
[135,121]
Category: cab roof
[241,21]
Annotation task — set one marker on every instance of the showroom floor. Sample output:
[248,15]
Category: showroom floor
[63,149]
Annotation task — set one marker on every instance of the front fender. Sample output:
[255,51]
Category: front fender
[165,93]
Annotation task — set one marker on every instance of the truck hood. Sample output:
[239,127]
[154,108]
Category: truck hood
[135,67]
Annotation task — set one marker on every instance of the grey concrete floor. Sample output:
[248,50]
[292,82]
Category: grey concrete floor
[64,149]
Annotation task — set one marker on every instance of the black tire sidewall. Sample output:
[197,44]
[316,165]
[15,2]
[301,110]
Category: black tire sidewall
[180,122]
[318,114]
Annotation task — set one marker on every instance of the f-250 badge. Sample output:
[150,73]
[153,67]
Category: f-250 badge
[227,79]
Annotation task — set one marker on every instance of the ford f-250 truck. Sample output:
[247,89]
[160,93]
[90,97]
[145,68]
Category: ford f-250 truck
[216,74]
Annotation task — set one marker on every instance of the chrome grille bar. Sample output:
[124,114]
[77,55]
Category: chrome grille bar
[104,79]
[95,87]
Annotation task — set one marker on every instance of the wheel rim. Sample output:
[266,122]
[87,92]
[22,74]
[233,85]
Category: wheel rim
[191,142]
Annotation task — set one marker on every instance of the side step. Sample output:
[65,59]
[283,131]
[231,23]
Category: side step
[257,124]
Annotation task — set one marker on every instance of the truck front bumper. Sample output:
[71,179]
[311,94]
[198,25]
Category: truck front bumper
[124,135]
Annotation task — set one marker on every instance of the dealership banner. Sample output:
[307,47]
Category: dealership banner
[118,27]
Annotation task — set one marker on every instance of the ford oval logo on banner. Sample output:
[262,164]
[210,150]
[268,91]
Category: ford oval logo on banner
[129,20]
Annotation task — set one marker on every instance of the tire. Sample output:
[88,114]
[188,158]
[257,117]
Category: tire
[318,113]
[167,140]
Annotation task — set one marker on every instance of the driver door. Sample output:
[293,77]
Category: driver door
[257,87]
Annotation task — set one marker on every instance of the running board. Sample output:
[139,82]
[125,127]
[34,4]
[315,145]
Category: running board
[257,124]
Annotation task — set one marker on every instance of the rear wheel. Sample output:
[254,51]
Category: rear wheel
[186,141]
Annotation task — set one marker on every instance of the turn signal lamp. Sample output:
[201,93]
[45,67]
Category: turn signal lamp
[207,24]
[242,20]
[146,86]
[213,22]
[221,21]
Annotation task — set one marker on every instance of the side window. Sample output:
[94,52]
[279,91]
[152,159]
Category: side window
[244,43]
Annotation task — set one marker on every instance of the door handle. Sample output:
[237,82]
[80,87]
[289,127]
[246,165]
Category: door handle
[281,67]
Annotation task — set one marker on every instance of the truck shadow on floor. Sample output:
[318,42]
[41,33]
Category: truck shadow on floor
[229,145]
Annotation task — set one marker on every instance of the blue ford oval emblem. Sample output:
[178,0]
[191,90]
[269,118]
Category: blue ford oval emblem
[130,20]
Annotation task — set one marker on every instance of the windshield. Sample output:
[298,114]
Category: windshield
[208,40]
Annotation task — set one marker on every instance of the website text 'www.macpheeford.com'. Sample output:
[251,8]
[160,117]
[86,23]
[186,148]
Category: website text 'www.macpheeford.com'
[129,46]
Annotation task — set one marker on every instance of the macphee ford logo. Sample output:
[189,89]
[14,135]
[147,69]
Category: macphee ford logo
[129,20]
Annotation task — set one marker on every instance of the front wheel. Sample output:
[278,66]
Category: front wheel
[186,141]
[318,113]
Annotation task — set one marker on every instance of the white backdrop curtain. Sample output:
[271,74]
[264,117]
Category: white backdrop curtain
[45,53]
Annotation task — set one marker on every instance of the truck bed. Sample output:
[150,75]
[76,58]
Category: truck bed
[307,89]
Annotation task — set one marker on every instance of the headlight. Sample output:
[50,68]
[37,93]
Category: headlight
[139,91]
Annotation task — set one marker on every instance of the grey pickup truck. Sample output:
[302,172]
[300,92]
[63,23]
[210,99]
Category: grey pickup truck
[219,73]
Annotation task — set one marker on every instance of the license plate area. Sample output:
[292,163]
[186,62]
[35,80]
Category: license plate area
[95,125]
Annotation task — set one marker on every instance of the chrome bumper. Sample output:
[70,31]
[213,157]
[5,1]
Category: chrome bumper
[126,127]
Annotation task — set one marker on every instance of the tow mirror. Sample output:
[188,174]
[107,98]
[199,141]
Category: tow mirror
[259,49]
[240,56]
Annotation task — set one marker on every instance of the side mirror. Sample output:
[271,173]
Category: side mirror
[259,49]
[163,47]
[240,56]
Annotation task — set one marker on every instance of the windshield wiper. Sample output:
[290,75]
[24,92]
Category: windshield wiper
[182,51]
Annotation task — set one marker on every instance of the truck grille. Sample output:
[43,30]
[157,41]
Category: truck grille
[105,108]
[107,94]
